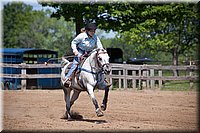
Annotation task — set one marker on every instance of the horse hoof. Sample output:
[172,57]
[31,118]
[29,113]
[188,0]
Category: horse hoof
[103,107]
[99,113]
[65,116]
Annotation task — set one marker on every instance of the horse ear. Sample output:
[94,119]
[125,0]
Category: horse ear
[98,49]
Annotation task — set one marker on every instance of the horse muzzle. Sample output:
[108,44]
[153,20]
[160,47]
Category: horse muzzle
[106,69]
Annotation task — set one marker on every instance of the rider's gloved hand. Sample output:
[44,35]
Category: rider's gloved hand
[75,52]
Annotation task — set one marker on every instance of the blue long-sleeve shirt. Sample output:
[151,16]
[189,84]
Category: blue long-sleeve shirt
[83,42]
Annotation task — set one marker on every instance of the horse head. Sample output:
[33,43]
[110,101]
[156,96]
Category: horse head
[103,60]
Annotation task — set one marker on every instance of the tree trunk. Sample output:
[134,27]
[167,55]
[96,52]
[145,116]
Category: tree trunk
[79,24]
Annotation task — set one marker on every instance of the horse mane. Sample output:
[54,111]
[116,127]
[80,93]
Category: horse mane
[95,50]
[89,54]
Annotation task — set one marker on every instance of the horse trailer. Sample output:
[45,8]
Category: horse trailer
[29,56]
[116,55]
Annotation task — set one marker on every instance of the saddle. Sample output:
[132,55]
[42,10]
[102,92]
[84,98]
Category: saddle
[76,71]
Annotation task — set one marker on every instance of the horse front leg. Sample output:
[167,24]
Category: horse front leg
[90,90]
[105,99]
[67,92]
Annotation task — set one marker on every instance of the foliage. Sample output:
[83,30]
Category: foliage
[26,28]
[117,16]
[145,30]
[169,28]
[16,17]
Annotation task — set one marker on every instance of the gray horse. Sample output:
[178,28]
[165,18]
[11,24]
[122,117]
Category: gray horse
[91,75]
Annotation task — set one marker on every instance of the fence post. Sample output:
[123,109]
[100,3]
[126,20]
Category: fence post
[125,79]
[152,81]
[133,80]
[140,73]
[120,83]
[23,81]
[147,72]
[111,82]
[160,81]
[144,82]
[191,82]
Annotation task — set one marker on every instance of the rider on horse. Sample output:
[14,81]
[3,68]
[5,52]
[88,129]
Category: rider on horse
[85,42]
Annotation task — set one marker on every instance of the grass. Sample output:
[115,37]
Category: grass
[171,86]
[180,86]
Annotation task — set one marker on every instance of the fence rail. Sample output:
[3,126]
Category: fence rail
[139,76]
[147,76]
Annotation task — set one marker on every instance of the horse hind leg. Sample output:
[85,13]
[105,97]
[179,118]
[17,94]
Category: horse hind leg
[75,95]
[67,92]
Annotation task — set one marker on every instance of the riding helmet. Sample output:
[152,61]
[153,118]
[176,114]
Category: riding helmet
[90,26]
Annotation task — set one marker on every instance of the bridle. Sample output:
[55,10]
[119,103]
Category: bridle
[106,65]
[98,63]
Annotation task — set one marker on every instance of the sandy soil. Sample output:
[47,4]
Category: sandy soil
[127,110]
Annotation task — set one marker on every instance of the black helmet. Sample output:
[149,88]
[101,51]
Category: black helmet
[91,26]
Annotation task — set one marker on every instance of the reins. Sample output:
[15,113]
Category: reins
[100,71]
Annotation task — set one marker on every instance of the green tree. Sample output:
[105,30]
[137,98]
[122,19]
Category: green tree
[26,28]
[169,28]
[16,16]
[118,16]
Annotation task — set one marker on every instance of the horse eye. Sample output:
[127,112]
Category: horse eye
[100,58]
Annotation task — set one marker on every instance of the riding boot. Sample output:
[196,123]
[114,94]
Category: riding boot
[67,82]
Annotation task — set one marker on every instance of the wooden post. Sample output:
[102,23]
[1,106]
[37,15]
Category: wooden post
[144,82]
[125,79]
[140,73]
[120,83]
[23,81]
[147,79]
[191,82]
[152,81]
[160,81]
[110,79]
[133,80]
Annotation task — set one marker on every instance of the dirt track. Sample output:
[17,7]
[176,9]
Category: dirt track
[127,109]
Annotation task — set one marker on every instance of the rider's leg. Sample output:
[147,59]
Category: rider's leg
[73,67]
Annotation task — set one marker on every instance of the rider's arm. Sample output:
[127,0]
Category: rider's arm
[75,42]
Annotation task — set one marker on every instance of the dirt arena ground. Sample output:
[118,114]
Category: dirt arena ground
[143,110]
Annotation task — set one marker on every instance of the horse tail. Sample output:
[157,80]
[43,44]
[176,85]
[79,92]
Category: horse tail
[64,62]
[64,66]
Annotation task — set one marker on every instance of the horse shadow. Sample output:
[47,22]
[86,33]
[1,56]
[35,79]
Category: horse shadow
[77,117]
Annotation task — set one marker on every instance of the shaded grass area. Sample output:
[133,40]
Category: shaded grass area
[168,85]
[181,86]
